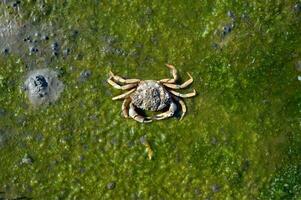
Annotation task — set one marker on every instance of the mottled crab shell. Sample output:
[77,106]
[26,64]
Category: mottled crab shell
[150,95]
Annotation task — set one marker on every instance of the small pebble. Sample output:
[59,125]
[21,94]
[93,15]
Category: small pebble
[215,188]
[149,11]
[297,8]
[111,185]
[26,159]
[298,66]
[66,52]
[230,14]
[245,16]
[214,141]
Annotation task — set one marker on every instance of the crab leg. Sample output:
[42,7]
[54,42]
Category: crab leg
[183,95]
[174,86]
[121,87]
[125,107]
[124,95]
[174,74]
[122,80]
[183,106]
[171,111]
[133,114]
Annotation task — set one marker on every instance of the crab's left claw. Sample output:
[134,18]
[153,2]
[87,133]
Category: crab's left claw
[133,114]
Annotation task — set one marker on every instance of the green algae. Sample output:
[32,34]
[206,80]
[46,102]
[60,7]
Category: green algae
[241,134]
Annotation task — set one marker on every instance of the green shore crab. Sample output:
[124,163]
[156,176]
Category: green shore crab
[151,95]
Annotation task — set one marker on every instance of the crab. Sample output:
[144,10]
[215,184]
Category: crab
[151,95]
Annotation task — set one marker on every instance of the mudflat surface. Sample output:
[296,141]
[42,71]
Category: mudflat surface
[240,138]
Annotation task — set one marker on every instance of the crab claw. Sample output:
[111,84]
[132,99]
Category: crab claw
[139,118]
[172,109]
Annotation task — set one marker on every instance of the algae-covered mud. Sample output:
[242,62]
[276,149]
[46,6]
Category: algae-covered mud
[240,137]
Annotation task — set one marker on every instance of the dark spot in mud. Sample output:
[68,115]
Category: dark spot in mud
[60,71]
[74,34]
[85,75]
[245,165]
[215,46]
[5,51]
[2,112]
[227,29]
[16,4]
[39,137]
[4,137]
[45,37]
[33,50]
[55,53]
[79,56]
[55,46]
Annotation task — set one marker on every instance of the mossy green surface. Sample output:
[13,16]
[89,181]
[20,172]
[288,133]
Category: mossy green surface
[240,139]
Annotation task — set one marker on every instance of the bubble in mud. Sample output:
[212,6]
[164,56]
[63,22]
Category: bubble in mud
[42,86]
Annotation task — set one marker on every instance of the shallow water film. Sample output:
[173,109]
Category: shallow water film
[240,137]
